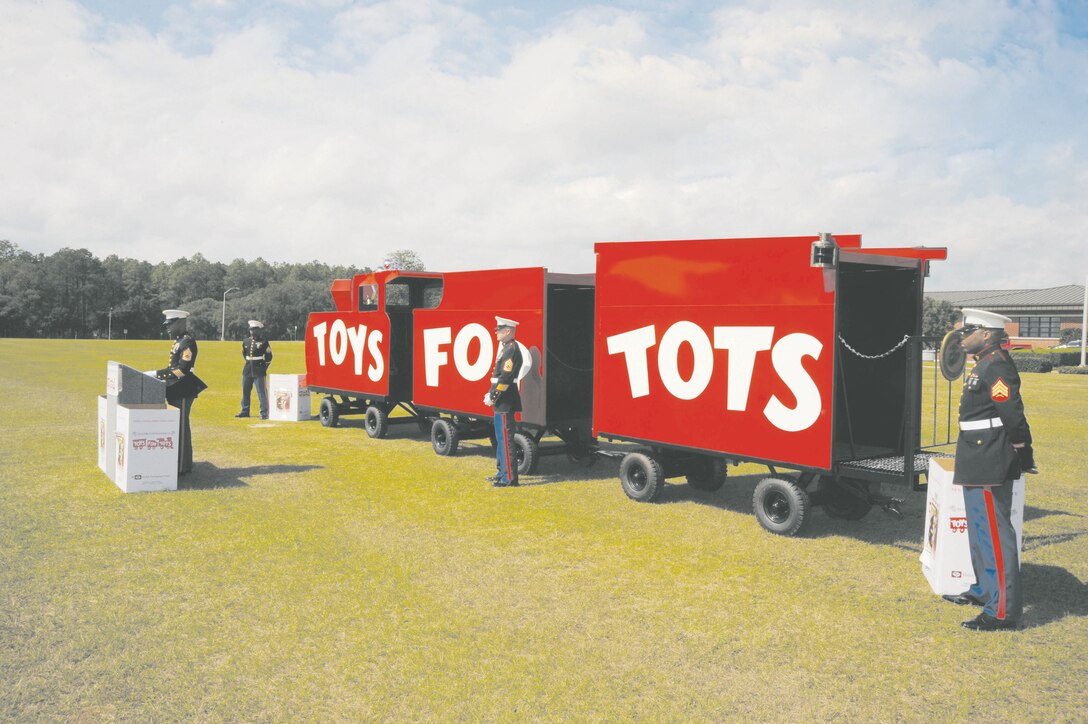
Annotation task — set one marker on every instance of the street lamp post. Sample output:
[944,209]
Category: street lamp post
[1084,323]
[223,324]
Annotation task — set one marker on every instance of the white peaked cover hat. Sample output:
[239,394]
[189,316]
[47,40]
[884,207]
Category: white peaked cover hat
[174,314]
[982,318]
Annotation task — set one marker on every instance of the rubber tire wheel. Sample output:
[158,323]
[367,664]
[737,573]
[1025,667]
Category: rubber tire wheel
[444,437]
[780,506]
[377,422]
[527,454]
[329,412]
[708,474]
[842,504]
[641,477]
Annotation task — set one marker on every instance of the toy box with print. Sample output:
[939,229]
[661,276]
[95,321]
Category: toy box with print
[946,553]
[288,398]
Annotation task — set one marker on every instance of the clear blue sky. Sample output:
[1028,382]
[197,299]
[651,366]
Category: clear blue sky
[489,134]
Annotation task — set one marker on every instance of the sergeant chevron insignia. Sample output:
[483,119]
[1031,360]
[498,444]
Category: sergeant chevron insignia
[1000,391]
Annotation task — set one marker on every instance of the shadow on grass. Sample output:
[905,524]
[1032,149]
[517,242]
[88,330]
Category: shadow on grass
[556,468]
[1032,513]
[207,476]
[877,527]
[1051,594]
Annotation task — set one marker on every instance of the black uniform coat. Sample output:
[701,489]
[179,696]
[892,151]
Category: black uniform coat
[504,388]
[992,391]
[182,357]
[258,355]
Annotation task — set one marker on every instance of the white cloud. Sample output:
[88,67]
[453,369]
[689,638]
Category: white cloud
[423,124]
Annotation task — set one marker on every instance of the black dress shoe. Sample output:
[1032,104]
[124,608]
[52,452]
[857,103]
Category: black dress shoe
[500,483]
[242,414]
[986,622]
[494,478]
[964,599]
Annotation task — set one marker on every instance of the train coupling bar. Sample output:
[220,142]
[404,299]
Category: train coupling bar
[888,505]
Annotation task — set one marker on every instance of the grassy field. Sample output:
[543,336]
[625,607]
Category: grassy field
[313,573]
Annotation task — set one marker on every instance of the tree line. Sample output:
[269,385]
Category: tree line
[73,294]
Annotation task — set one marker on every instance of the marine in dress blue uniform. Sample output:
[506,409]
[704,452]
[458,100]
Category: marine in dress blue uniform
[993,448]
[257,353]
[505,399]
[182,384]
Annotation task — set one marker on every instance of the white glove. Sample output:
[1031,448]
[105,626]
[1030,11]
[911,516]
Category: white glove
[487,399]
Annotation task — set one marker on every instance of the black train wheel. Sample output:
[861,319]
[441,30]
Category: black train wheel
[641,477]
[377,422]
[329,412]
[444,437]
[781,506]
[708,474]
[847,499]
[527,453]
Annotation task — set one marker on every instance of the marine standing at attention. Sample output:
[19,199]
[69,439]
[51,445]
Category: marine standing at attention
[257,354]
[993,449]
[505,399]
[182,384]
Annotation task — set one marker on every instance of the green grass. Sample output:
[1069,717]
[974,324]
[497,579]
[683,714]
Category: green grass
[312,573]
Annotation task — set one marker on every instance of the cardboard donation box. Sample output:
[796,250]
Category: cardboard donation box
[288,398]
[946,553]
[104,434]
[146,445]
[137,432]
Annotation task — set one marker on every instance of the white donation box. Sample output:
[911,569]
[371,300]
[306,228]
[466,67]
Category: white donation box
[146,445]
[288,398]
[946,553]
[138,434]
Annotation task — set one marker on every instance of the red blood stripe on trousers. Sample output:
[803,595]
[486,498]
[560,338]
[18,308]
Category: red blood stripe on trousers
[995,539]
[506,448]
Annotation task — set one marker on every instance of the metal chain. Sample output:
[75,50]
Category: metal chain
[902,342]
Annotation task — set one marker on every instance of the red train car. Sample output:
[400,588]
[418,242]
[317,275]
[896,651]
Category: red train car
[424,342]
[359,355]
[724,350]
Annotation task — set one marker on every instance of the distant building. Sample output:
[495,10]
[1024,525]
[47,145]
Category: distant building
[1038,315]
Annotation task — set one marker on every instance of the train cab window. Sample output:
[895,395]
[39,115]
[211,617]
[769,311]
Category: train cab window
[397,295]
[407,293]
[432,295]
[368,297]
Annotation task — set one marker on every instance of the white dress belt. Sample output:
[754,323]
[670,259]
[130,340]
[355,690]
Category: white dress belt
[255,358]
[981,424]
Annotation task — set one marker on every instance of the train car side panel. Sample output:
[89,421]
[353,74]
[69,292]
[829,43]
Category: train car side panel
[454,346]
[720,345]
[348,351]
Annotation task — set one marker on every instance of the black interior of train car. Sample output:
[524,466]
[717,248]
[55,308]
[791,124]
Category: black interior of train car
[569,343]
[876,305]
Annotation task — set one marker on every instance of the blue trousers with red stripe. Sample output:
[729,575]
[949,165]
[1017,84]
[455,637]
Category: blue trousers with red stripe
[994,553]
[505,450]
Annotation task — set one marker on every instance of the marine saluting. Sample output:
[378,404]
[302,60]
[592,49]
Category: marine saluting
[993,449]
